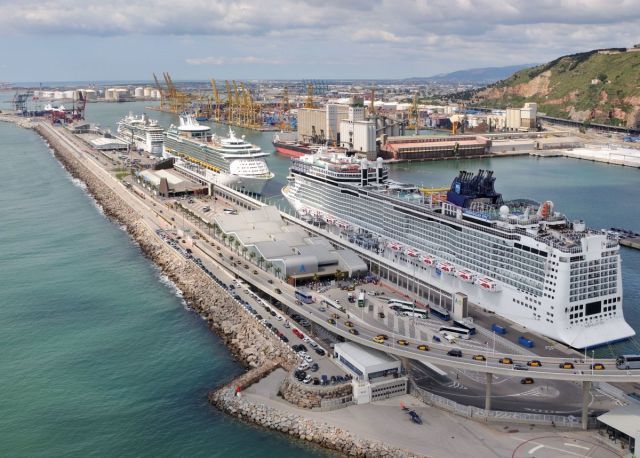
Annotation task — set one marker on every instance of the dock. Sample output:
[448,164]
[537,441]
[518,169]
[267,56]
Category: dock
[631,242]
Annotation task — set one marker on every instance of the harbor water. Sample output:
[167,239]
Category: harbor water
[99,355]
[602,195]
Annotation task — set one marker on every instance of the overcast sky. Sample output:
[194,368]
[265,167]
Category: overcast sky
[62,40]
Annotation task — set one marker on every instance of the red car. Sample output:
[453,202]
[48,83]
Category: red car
[298,333]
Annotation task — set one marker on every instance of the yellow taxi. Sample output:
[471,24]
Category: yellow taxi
[479,358]
[597,367]
[348,324]
[566,365]
[378,339]
[423,348]
[505,360]
[402,342]
[534,363]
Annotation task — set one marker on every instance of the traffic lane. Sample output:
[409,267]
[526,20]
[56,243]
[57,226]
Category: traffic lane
[290,297]
[327,366]
[536,397]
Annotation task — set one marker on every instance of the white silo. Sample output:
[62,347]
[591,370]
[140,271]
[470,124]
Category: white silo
[58,95]
[147,91]
[138,92]
[154,94]
[68,94]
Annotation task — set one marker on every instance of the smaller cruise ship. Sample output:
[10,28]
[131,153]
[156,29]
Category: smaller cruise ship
[143,133]
[230,161]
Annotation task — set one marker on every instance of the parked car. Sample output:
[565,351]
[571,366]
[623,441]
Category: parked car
[320,351]
[455,352]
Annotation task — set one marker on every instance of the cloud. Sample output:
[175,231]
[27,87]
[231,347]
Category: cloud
[382,36]
[232,60]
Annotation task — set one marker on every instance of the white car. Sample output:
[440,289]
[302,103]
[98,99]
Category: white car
[302,354]
[308,359]
[313,344]
[303,367]
[307,339]
[279,317]
[307,380]
[286,324]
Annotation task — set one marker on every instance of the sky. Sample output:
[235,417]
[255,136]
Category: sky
[98,40]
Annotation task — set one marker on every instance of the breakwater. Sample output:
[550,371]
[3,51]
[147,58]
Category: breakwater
[248,341]
[321,433]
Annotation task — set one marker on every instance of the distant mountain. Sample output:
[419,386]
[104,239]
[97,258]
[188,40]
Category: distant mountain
[602,85]
[485,75]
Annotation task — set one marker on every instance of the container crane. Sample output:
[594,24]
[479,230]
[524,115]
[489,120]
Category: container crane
[309,100]
[216,97]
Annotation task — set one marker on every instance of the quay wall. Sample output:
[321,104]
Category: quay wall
[247,340]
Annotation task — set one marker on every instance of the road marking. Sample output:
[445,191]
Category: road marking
[534,449]
[576,445]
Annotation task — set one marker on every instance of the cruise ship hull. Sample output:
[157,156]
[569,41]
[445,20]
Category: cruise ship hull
[248,184]
[506,302]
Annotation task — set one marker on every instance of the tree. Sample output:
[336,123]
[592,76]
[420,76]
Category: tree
[244,251]
[224,238]
[338,274]
[260,261]
[252,255]
[268,266]
[315,277]
[231,239]
[237,244]
[277,270]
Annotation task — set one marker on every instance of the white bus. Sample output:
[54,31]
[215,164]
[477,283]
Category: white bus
[458,332]
[409,310]
[361,299]
[628,362]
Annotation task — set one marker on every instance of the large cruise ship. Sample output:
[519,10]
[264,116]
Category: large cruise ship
[523,261]
[230,161]
[142,132]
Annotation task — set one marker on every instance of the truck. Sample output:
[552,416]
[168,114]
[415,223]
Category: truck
[498,329]
[522,340]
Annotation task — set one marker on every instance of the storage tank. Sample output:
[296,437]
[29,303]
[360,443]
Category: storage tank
[155,94]
[138,93]
[89,94]
[58,95]
[109,94]
[147,91]
[68,94]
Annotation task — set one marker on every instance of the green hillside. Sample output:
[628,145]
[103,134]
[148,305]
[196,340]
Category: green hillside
[600,86]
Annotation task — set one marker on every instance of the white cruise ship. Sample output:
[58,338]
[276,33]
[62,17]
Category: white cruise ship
[523,261]
[230,161]
[142,132]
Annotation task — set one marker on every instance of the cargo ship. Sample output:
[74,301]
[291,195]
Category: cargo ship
[521,260]
[286,143]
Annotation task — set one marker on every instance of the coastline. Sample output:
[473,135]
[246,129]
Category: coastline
[249,343]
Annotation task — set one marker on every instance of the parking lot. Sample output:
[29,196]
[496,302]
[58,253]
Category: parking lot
[316,365]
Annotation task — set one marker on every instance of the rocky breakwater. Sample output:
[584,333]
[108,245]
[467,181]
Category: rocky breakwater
[320,433]
[311,396]
[248,340]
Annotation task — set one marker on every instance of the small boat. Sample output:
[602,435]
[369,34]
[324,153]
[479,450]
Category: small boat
[487,284]
[395,246]
[428,260]
[465,275]
[447,268]
[412,253]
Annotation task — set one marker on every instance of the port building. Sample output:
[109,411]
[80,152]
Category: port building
[430,147]
[286,248]
[377,375]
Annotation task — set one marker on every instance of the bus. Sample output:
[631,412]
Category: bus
[361,299]
[465,325]
[304,297]
[628,362]
[399,302]
[440,312]
[333,304]
[409,310]
[458,332]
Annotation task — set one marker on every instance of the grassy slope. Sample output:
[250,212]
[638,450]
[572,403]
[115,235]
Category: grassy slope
[572,75]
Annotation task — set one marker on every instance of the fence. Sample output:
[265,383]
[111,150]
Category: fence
[497,415]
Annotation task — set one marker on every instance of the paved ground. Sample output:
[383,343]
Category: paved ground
[442,434]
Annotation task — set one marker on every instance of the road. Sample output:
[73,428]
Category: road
[437,353]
